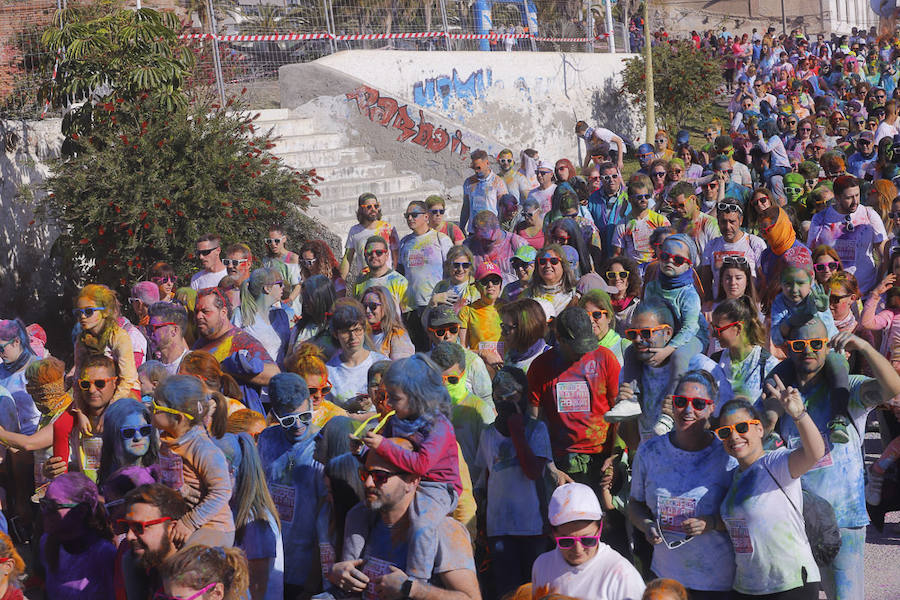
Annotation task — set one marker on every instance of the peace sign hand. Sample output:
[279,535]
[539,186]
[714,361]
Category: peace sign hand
[789,397]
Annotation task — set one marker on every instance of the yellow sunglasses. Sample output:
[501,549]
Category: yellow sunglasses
[157,409]
[381,423]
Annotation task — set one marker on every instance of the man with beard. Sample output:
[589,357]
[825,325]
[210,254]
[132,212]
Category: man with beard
[151,511]
[516,183]
[491,244]
[480,191]
[377,533]
[369,216]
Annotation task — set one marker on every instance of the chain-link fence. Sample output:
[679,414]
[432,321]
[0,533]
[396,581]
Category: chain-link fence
[240,42]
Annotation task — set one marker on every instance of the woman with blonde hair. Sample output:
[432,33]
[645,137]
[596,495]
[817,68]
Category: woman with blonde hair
[389,336]
[258,317]
[206,572]
[880,196]
[457,289]
[12,567]
[96,310]
[308,361]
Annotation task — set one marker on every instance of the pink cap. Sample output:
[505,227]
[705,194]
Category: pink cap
[487,268]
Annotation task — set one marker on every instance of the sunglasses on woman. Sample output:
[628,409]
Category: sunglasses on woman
[548,259]
[587,541]
[437,211]
[612,275]
[829,266]
[718,330]
[676,259]
[87,312]
[129,433]
[462,266]
[164,280]
[371,306]
[598,314]
[697,404]
[85,384]
[324,390]
[742,427]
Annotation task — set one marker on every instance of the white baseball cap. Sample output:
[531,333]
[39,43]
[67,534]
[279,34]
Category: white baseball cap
[544,165]
[574,502]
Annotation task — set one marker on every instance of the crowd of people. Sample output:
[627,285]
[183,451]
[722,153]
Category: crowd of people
[592,386]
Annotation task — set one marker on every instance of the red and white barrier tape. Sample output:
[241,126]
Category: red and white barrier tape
[284,37]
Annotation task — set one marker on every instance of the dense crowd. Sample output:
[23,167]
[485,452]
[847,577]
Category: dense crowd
[589,387]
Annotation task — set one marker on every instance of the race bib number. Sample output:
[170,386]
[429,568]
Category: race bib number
[674,511]
[845,247]
[416,258]
[171,469]
[640,237]
[497,347]
[573,397]
[740,536]
[285,498]
[326,559]
[92,448]
[374,569]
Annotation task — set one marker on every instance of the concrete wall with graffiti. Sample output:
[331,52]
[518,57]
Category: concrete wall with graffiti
[522,99]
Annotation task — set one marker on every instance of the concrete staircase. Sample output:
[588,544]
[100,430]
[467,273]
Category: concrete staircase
[348,170]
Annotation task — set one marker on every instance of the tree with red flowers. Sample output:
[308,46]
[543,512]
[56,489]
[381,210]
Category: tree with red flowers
[685,81]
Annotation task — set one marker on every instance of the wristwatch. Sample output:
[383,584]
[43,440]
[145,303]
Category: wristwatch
[406,588]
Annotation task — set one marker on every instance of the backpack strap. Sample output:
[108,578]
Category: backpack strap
[784,492]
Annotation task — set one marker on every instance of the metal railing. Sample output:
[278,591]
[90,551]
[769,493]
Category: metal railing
[241,42]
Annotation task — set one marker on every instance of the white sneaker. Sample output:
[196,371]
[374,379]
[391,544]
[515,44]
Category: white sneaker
[623,411]
[664,425]
[873,488]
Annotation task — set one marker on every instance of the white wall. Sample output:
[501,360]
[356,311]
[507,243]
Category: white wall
[522,99]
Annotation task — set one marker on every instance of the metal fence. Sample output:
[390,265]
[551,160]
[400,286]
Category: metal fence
[240,42]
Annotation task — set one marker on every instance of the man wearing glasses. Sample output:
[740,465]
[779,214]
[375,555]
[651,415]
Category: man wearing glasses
[150,512]
[481,190]
[739,174]
[581,566]
[377,534]
[862,162]
[734,245]
[368,215]
[543,193]
[633,238]
[295,480]
[838,476]
[209,254]
[856,232]
[516,183]
[609,205]
[167,323]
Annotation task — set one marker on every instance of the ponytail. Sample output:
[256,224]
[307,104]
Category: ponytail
[743,309]
[198,566]
[248,305]
[219,423]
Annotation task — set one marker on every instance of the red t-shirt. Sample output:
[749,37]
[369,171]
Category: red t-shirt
[574,398]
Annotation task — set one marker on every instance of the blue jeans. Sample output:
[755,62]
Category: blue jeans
[511,559]
[843,579]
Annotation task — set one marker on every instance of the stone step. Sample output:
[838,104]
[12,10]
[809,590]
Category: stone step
[306,143]
[375,168]
[352,188]
[316,159]
[289,127]
[332,209]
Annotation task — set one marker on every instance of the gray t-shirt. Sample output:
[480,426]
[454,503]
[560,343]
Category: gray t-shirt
[366,536]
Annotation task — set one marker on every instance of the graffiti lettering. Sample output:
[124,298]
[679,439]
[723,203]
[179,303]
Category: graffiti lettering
[387,112]
[441,90]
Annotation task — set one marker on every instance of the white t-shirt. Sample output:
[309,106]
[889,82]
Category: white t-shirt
[856,248]
[172,367]
[357,237]
[678,485]
[346,381]
[544,197]
[885,129]
[205,279]
[607,576]
[749,246]
[422,258]
[513,507]
[767,533]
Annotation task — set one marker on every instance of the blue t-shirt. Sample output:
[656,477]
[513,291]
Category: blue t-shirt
[297,485]
[837,476]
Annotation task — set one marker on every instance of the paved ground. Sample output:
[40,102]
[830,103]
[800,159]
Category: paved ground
[882,554]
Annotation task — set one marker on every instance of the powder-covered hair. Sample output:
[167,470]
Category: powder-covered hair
[113,419]
[153,370]
[307,359]
[105,298]
[421,381]
[8,553]
[11,329]
[252,291]
[183,393]
[198,566]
